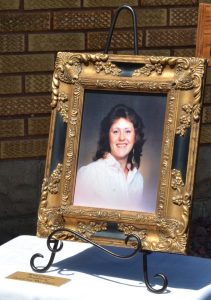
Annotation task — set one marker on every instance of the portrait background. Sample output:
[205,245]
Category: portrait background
[151,108]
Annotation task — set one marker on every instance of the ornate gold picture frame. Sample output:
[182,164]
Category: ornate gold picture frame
[166,92]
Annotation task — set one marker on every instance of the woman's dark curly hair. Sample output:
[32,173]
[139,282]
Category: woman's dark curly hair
[121,111]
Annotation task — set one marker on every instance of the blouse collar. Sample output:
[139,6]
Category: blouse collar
[112,162]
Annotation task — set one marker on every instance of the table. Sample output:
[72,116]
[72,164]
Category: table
[96,275]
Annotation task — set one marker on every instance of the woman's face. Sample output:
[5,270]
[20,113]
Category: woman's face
[121,138]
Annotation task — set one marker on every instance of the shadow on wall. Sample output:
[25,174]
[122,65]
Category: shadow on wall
[200,230]
[20,187]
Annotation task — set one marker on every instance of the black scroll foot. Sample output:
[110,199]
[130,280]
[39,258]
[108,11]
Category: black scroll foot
[58,245]
[159,275]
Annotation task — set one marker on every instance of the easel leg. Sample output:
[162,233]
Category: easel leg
[159,275]
[53,253]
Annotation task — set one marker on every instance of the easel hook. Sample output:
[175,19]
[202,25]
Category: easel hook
[131,10]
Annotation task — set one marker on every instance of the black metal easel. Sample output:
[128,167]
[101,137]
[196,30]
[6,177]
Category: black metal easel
[135,30]
[58,245]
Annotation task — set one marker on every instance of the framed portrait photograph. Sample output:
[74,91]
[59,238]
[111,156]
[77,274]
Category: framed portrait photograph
[110,191]
[122,149]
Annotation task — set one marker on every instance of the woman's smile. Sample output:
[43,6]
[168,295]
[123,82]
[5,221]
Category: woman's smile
[121,146]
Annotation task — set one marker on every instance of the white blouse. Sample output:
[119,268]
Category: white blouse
[104,184]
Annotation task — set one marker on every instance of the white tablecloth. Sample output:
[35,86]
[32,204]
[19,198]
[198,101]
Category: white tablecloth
[95,275]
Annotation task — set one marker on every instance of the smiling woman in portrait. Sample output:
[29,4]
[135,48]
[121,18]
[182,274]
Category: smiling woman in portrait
[113,179]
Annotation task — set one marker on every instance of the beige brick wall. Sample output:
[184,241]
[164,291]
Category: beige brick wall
[108,3]
[183,16]
[49,4]
[145,18]
[11,128]
[24,105]
[33,31]
[82,20]
[23,148]
[38,83]
[52,42]
[26,63]
[24,21]
[168,2]
[11,84]
[12,43]
[14,4]
[38,126]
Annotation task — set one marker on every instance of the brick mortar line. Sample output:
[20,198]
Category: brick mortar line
[103,29]
[27,94]
[36,73]
[22,84]
[27,53]
[62,9]
[26,40]
[41,157]
[25,127]
[26,116]
[138,6]
[51,21]
[169,6]
[26,138]
[21,5]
